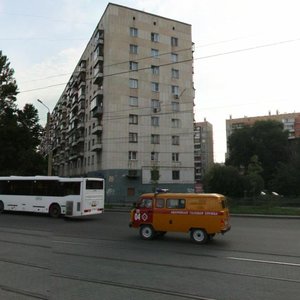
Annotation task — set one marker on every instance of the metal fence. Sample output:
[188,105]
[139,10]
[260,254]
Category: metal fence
[265,201]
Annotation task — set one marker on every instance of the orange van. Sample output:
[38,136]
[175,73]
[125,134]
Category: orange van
[202,215]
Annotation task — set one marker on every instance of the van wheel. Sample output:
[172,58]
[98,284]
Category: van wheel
[199,236]
[54,211]
[147,232]
[1,207]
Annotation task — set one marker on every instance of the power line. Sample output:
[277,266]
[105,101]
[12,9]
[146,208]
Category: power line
[122,62]
[249,48]
[167,64]
[147,57]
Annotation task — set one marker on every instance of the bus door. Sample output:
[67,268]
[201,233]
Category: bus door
[143,214]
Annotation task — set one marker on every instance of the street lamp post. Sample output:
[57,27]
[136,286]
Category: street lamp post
[49,150]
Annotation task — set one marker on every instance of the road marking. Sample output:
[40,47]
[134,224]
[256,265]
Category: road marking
[65,242]
[265,261]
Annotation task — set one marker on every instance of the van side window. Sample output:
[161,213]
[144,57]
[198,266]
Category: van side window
[224,203]
[160,203]
[175,203]
[145,202]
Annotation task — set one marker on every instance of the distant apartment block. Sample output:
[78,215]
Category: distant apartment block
[203,146]
[290,121]
[126,113]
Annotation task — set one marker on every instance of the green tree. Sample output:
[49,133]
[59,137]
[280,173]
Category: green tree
[28,120]
[253,181]
[225,180]
[265,139]
[8,86]
[19,130]
[287,176]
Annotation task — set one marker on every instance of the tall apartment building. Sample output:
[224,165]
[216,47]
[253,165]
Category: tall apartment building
[290,121]
[126,113]
[204,151]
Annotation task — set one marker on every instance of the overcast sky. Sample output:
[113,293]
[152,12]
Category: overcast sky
[246,52]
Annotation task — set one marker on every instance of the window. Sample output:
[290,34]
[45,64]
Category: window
[155,70]
[133,101]
[174,41]
[175,175]
[154,138]
[133,119]
[175,203]
[155,121]
[155,105]
[175,157]
[133,66]
[175,106]
[132,155]
[174,57]
[154,53]
[133,137]
[175,90]
[94,185]
[175,123]
[133,83]
[133,49]
[154,37]
[175,140]
[159,203]
[155,86]
[146,202]
[175,73]
[130,191]
[133,32]
[154,156]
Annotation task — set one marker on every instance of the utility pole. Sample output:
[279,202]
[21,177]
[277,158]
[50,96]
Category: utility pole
[49,148]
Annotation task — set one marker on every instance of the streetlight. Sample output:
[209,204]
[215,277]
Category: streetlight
[49,150]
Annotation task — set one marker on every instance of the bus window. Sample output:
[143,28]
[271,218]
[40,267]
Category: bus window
[159,203]
[70,188]
[45,188]
[175,203]
[94,185]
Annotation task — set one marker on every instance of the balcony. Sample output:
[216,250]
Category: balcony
[97,106]
[98,111]
[98,76]
[99,37]
[80,125]
[97,129]
[97,147]
[80,139]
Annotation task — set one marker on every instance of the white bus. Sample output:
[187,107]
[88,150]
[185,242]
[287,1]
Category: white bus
[72,197]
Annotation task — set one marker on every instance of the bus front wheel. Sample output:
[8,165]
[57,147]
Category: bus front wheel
[147,232]
[54,211]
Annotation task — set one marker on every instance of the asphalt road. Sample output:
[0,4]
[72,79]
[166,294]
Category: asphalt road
[102,258]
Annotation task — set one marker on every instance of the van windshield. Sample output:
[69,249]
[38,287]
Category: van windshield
[145,202]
